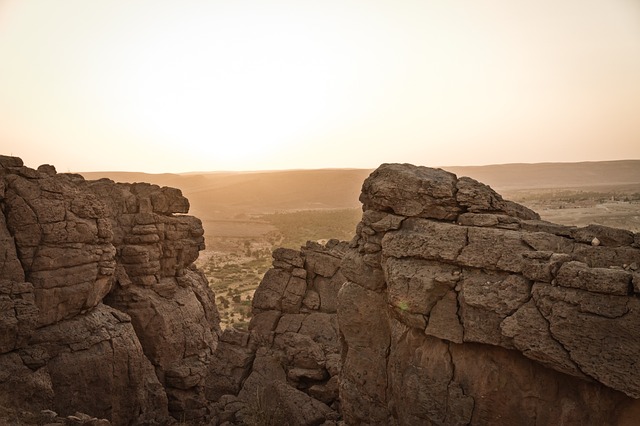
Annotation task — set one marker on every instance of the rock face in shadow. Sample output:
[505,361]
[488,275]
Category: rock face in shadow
[463,308]
[285,369]
[450,306]
[171,306]
[102,311]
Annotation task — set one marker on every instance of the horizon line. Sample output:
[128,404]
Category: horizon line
[200,172]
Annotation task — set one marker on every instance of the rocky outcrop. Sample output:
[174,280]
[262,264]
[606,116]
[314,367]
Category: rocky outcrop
[449,306]
[171,306]
[285,369]
[102,311]
[463,308]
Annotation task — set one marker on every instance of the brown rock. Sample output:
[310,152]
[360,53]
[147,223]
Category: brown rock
[494,249]
[364,376]
[426,342]
[98,348]
[599,331]
[356,270]
[486,300]
[531,336]
[408,190]
[598,280]
[289,256]
[425,239]
[321,263]
[56,237]
[416,285]
[269,294]
[606,236]
[479,198]
[72,241]
[444,322]
[328,291]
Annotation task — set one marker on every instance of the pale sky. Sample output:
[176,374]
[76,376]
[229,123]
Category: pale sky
[177,86]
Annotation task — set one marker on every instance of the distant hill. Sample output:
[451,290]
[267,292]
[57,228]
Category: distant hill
[223,194]
[554,175]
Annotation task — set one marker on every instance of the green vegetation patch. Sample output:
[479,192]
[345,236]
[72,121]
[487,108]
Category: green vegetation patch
[296,228]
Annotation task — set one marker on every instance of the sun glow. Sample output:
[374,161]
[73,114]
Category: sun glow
[262,85]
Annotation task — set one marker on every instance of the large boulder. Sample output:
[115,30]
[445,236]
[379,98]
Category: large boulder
[463,308]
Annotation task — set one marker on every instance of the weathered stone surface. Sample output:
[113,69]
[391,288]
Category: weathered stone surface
[508,389]
[59,242]
[322,264]
[266,397]
[328,291]
[285,370]
[18,315]
[486,299]
[494,249]
[494,317]
[427,240]
[408,190]
[10,267]
[354,268]
[381,222]
[182,357]
[7,161]
[96,365]
[607,236]
[23,385]
[599,332]
[543,265]
[269,294]
[531,336]
[422,381]
[293,295]
[416,285]
[453,305]
[230,366]
[289,256]
[364,371]
[599,280]
[68,245]
[477,197]
[444,319]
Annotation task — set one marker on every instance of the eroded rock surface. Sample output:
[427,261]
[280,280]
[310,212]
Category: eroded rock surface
[102,310]
[449,306]
[285,369]
[463,308]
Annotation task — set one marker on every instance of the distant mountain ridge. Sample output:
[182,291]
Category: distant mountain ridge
[554,175]
[268,191]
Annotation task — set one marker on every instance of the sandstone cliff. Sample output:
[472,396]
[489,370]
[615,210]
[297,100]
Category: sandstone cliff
[463,308]
[454,306]
[285,370]
[103,311]
[449,306]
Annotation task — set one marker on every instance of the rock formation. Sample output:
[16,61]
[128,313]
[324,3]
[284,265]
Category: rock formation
[450,306]
[102,311]
[285,369]
[463,308]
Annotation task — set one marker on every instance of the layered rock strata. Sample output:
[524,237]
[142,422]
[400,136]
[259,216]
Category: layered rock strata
[102,310]
[285,369]
[450,306]
[463,308]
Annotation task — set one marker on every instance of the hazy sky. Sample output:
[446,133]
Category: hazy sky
[173,86]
